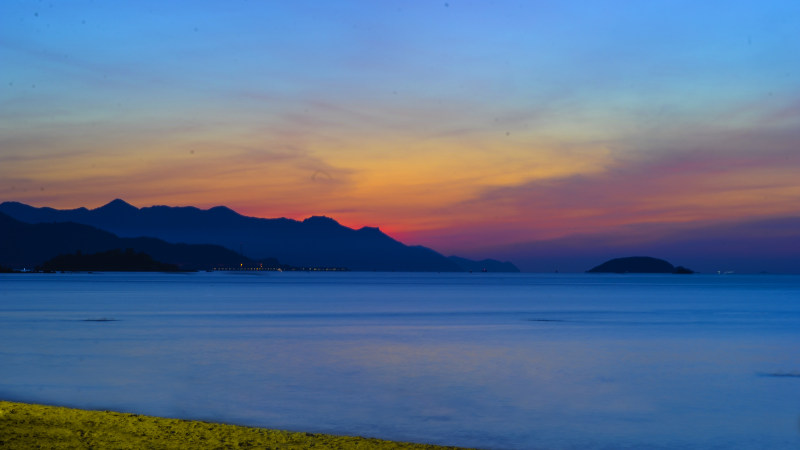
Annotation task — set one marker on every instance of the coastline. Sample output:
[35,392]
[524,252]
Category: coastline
[24,425]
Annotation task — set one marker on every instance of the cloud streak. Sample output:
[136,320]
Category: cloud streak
[732,174]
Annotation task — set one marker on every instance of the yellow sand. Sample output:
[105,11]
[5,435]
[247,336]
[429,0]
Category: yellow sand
[25,426]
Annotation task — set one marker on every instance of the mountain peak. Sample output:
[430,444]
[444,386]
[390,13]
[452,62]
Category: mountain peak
[320,220]
[223,210]
[371,231]
[118,205]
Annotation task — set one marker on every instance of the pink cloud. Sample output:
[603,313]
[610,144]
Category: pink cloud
[719,176]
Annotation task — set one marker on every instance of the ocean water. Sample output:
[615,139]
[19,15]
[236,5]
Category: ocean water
[480,360]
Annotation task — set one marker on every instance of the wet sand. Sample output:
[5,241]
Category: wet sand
[24,426]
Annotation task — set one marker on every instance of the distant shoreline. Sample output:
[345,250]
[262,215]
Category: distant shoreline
[25,425]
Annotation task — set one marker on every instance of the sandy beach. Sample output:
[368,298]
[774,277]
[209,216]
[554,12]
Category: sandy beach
[24,426]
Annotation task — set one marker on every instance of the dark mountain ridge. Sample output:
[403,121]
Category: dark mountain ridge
[111,260]
[314,242]
[25,245]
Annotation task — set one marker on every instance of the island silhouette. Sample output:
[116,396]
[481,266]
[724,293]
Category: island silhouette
[638,264]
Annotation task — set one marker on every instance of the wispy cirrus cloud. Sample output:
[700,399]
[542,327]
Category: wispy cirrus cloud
[705,175]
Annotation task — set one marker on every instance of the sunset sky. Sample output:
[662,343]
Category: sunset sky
[460,125]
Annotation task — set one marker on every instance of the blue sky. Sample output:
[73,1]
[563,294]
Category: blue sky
[445,123]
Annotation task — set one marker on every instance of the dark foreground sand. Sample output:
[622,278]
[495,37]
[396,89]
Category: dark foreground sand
[25,426]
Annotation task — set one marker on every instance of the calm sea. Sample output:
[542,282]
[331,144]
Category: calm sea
[482,360]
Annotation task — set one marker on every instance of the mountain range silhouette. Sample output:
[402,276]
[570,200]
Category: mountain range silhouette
[314,242]
[25,245]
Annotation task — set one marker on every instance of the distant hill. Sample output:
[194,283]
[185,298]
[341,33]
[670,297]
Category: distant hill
[486,265]
[109,261]
[316,241]
[753,245]
[637,264]
[24,245]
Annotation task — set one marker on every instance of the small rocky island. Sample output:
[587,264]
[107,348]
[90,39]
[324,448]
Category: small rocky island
[638,264]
